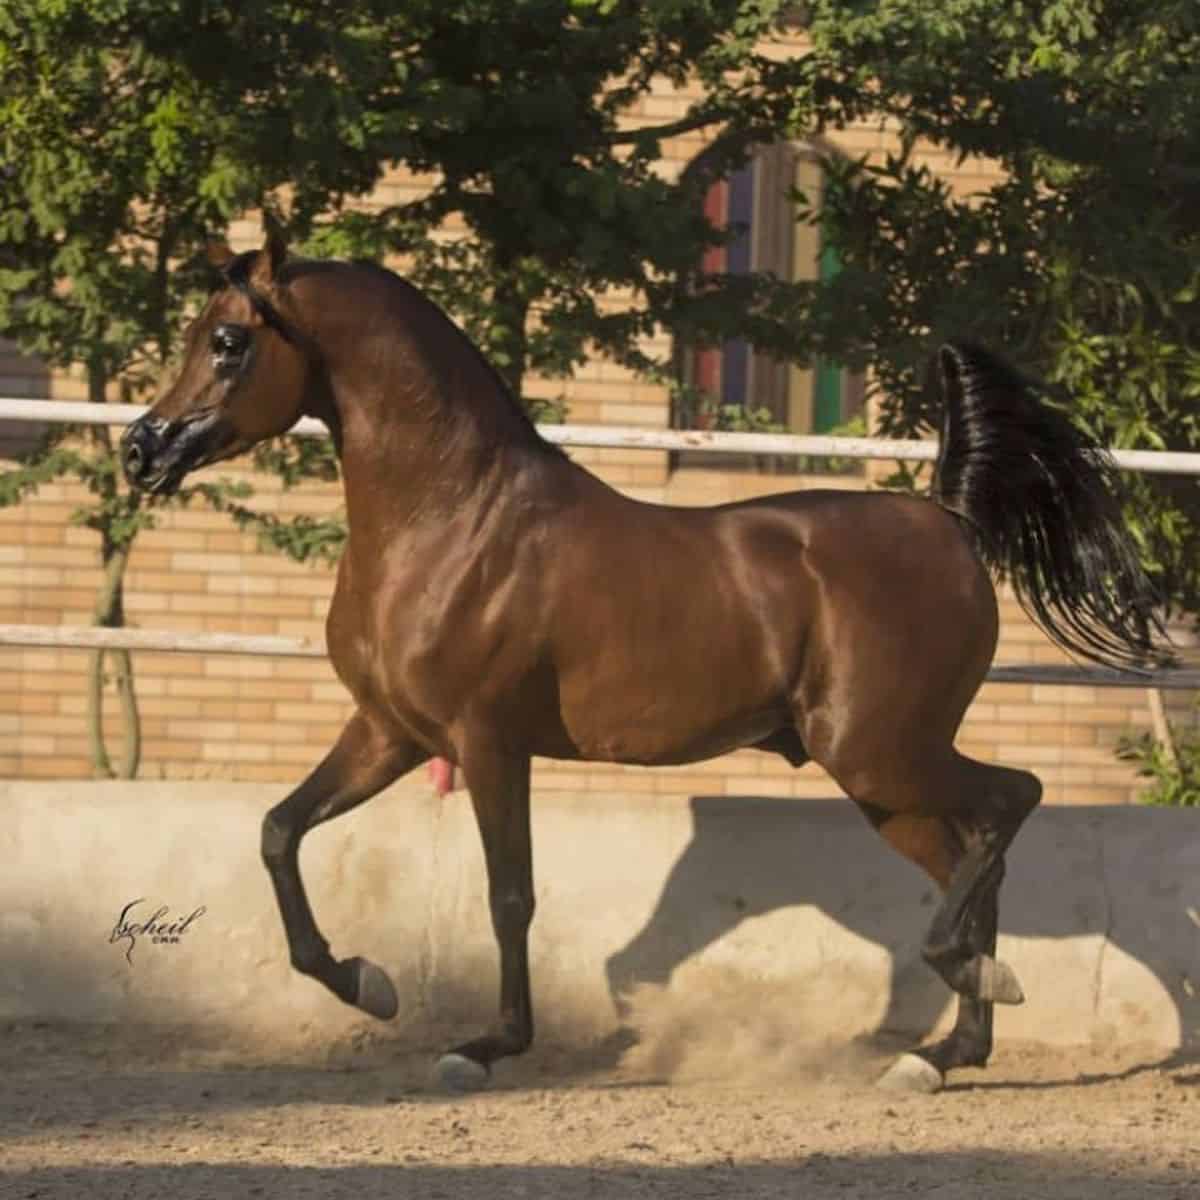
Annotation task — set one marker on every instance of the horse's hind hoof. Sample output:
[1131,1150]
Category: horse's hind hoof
[998,984]
[911,1073]
[374,993]
[458,1073]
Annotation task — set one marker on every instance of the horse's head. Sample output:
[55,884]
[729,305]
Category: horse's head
[247,372]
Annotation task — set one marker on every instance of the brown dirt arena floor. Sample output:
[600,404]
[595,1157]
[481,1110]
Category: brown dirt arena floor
[143,1113]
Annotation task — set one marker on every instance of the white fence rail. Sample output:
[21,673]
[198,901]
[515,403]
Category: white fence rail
[63,637]
[616,437]
[66,637]
[628,438]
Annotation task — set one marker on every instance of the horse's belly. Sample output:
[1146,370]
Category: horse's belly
[665,725]
[665,746]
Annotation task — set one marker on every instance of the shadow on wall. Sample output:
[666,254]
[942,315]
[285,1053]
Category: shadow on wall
[1121,877]
[799,896]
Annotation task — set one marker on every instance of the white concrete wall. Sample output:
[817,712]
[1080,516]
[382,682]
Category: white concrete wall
[740,909]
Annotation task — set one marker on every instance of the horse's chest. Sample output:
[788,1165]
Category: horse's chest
[360,638]
[397,646]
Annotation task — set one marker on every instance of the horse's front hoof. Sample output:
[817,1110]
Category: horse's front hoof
[998,983]
[374,993]
[458,1073]
[911,1073]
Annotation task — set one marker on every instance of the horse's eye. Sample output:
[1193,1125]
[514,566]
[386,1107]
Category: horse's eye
[229,343]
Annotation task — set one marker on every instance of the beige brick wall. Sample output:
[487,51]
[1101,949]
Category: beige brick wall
[239,717]
[271,720]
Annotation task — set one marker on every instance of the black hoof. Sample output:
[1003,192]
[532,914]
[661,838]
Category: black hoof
[374,993]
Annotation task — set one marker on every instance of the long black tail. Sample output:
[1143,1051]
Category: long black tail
[1041,502]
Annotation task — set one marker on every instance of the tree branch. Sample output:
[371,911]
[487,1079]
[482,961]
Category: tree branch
[688,124]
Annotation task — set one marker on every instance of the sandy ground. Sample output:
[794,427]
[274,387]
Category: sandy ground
[140,1113]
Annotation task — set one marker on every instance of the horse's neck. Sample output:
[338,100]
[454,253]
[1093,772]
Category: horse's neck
[425,428]
[402,473]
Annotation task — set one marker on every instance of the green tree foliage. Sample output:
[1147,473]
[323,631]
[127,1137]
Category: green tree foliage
[1081,262]
[118,160]
[527,119]
[536,124]
[133,129]
[1172,771]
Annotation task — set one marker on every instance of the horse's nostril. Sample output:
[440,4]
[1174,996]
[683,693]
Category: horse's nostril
[135,460]
[137,451]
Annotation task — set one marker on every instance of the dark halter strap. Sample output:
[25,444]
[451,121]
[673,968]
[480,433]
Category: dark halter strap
[237,274]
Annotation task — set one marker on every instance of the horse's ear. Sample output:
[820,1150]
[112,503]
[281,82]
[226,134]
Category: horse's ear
[270,258]
[218,253]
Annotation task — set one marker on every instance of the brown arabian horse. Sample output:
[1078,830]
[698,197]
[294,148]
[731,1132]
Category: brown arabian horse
[495,602]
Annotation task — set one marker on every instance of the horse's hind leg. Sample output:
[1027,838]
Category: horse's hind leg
[963,850]
[969,1043]
[362,763]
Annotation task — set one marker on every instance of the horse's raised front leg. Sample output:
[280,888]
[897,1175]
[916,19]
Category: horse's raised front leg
[364,760]
[498,781]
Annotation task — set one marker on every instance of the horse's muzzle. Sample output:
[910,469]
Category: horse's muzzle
[157,454]
[142,446]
